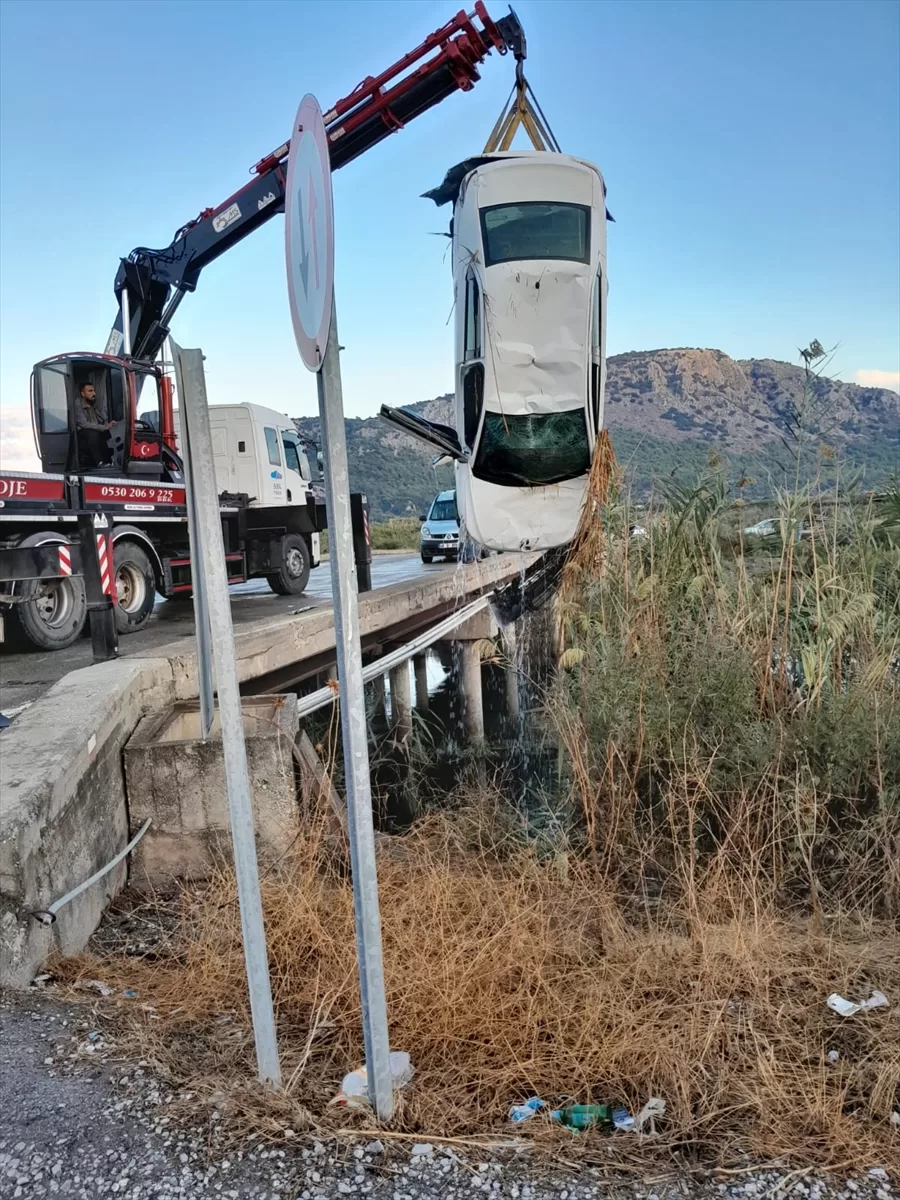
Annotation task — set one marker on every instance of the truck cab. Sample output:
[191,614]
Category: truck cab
[258,454]
[133,447]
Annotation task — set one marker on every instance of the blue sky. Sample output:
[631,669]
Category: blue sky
[751,150]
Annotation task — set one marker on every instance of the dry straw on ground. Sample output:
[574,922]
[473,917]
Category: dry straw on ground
[508,976]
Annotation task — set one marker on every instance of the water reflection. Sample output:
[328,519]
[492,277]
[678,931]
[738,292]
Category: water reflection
[430,771]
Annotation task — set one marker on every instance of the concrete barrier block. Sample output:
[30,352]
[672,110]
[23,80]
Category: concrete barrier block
[177,779]
[63,813]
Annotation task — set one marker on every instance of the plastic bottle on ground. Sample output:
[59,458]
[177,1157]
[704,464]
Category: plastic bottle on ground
[583,1116]
[522,1112]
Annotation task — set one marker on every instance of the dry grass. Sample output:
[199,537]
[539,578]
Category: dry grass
[586,555]
[509,976]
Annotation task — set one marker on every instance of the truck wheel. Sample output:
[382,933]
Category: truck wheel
[135,587]
[293,577]
[52,612]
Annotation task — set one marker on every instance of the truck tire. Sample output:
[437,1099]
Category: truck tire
[135,587]
[293,577]
[52,612]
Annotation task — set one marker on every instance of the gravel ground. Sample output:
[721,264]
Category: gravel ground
[76,1124]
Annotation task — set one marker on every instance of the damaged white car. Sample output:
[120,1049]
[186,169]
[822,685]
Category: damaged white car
[530,287]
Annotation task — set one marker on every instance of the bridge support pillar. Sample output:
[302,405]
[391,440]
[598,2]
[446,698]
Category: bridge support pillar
[420,665]
[378,689]
[511,670]
[401,702]
[470,684]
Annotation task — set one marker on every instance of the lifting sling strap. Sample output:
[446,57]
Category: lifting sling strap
[521,109]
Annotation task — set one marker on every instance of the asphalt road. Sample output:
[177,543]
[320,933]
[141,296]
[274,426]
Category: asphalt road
[24,677]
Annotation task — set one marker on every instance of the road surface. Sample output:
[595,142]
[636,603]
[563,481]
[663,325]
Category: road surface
[24,677]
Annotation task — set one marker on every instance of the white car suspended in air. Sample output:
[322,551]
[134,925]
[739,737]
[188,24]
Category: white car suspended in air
[529,273]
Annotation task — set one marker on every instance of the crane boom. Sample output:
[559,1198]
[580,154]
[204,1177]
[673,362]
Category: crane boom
[150,284]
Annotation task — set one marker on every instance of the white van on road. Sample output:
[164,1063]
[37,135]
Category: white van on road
[439,537]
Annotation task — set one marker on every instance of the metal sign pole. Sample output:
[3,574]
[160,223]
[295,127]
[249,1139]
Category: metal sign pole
[198,577]
[309,258]
[195,416]
[353,726]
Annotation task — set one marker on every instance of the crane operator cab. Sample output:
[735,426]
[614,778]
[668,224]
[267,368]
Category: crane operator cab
[529,274]
[84,414]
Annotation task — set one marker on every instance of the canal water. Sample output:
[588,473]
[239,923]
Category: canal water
[516,763]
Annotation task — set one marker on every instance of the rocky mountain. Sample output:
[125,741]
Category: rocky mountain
[737,405]
[668,410]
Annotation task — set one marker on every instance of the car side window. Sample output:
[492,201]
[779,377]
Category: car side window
[473,401]
[472,331]
[596,362]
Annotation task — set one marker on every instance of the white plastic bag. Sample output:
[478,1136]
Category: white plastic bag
[847,1008]
[354,1091]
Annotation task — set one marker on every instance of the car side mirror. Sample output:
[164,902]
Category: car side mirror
[422,520]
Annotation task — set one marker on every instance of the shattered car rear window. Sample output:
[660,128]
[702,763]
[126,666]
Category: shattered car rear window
[534,450]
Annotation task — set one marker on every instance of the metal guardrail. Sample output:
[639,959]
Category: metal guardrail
[322,696]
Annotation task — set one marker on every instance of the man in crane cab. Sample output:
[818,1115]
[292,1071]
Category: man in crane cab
[92,425]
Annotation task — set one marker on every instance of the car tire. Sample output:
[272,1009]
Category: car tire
[135,587]
[427,558]
[293,577]
[51,613]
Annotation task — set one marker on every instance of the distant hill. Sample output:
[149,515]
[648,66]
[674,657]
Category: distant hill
[393,470]
[668,410]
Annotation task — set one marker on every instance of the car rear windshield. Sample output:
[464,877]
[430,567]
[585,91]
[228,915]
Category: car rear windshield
[534,450]
[536,229]
[444,510]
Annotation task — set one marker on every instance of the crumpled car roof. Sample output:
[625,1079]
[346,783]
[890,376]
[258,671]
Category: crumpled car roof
[447,191]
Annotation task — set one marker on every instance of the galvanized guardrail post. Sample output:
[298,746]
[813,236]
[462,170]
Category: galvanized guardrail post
[237,779]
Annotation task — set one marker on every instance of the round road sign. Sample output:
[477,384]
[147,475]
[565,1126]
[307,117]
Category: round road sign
[309,233]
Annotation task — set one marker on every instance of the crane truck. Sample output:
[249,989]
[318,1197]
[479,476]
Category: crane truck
[140,490]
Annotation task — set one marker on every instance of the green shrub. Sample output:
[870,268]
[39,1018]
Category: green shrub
[744,706]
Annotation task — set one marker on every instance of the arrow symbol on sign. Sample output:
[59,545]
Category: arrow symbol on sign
[304,253]
[312,208]
[313,205]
